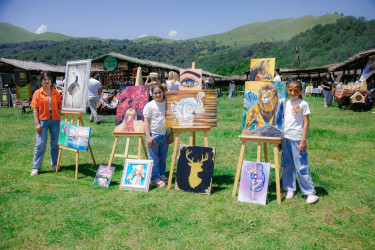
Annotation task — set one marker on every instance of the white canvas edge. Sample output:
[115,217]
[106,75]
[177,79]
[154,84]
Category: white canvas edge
[146,186]
[86,81]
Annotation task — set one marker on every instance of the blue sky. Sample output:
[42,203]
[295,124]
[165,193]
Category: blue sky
[164,18]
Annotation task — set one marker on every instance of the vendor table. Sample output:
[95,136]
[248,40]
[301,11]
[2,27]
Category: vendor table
[344,96]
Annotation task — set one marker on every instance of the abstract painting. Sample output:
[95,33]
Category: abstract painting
[136,175]
[254,182]
[75,90]
[264,104]
[104,175]
[79,137]
[191,79]
[191,108]
[195,169]
[64,133]
[129,114]
[262,69]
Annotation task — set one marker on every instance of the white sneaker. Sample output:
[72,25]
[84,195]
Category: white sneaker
[164,178]
[289,195]
[158,183]
[34,172]
[312,199]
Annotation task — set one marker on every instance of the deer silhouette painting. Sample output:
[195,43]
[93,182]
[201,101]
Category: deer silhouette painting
[196,167]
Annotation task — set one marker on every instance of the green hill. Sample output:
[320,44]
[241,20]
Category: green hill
[274,30]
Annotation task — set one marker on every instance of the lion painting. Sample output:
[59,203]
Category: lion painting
[261,71]
[265,111]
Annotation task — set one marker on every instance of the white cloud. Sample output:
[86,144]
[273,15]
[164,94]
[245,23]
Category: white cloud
[143,35]
[41,29]
[172,33]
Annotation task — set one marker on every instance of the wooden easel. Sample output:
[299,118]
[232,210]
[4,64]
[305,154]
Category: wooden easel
[128,135]
[192,141]
[78,117]
[276,141]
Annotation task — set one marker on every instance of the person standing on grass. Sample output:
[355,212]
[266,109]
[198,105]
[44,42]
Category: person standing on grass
[232,87]
[94,92]
[327,84]
[46,103]
[294,155]
[157,135]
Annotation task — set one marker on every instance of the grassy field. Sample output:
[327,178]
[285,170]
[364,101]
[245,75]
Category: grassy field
[52,210]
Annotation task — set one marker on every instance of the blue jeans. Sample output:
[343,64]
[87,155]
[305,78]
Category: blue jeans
[327,97]
[158,153]
[41,142]
[291,161]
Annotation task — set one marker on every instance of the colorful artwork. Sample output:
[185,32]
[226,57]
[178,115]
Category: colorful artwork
[75,90]
[64,133]
[129,114]
[136,175]
[264,104]
[191,108]
[369,69]
[254,182]
[262,69]
[5,97]
[79,137]
[23,84]
[195,169]
[191,79]
[104,175]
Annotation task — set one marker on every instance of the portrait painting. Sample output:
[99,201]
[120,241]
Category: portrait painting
[191,108]
[136,175]
[264,104]
[191,79]
[104,175]
[262,69]
[64,133]
[129,113]
[79,137]
[77,77]
[195,169]
[254,182]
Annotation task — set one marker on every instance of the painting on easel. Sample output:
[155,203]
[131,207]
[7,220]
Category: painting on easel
[264,104]
[262,69]
[136,175]
[75,90]
[129,113]
[64,133]
[254,182]
[195,169]
[191,108]
[191,79]
[79,137]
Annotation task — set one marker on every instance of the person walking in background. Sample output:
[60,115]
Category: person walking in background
[173,83]
[294,154]
[231,92]
[157,135]
[327,84]
[46,103]
[94,92]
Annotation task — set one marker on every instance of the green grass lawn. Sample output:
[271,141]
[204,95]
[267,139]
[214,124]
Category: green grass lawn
[52,210]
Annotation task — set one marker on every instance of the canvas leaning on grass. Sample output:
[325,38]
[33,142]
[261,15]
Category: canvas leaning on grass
[136,175]
[104,175]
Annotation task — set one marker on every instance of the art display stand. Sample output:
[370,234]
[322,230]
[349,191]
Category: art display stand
[78,117]
[260,140]
[192,142]
[141,144]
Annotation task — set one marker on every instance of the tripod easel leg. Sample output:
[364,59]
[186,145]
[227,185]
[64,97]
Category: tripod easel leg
[58,160]
[113,151]
[92,155]
[277,173]
[239,166]
[77,157]
[174,155]
[144,147]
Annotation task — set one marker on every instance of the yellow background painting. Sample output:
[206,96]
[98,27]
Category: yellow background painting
[262,69]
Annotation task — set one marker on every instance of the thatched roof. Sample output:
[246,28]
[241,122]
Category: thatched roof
[358,61]
[9,64]
[148,63]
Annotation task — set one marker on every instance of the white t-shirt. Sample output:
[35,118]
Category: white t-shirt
[155,111]
[93,87]
[293,119]
[277,78]
[174,87]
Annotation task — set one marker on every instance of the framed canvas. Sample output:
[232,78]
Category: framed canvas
[195,169]
[77,77]
[262,69]
[104,175]
[23,84]
[79,137]
[5,97]
[254,182]
[64,133]
[191,79]
[136,175]
[264,104]
[129,113]
[191,108]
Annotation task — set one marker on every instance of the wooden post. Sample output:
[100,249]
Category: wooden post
[193,65]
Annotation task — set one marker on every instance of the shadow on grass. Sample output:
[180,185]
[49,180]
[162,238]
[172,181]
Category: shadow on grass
[321,191]
[221,182]
[83,169]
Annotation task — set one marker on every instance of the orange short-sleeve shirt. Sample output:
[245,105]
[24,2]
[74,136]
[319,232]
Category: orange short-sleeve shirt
[40,102]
